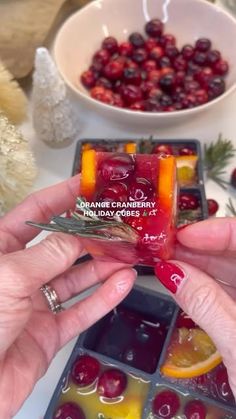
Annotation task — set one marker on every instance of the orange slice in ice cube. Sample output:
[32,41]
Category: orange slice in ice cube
[191,353]
[88,173]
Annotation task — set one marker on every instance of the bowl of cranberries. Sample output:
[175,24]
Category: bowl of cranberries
[145,63]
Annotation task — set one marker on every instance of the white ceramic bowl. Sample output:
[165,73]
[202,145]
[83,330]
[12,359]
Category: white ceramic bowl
[81,35]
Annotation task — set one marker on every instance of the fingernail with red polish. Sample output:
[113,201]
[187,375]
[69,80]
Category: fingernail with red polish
[170,275]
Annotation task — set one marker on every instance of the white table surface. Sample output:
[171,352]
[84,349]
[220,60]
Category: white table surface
[56,165]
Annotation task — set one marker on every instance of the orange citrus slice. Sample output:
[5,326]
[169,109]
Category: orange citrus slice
[166,181]
[130,148]
[191,353]
[88,173]
[186,169]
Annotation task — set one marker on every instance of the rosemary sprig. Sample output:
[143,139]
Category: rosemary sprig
[231,208]
[216,157]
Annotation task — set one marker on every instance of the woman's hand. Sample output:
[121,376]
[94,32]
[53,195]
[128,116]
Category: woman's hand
[207,251]
[30,334]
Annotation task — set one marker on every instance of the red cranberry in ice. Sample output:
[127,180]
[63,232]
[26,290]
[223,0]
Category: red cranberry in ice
[216,87]
[200,58]
[116,192]
[203,44]
[188,201]
[150,43]
[112,383]
[204,76]
[126,49]
[187,52]
[167,82]
[163,149]
[164,62]
[233,178]
[212,57]
[183,320]
[149,65]
[166,404]
[195,409]
[102,81]
[213,206]
[131,93]
[154,76]
[138,106]
[171,51]
[154,28]
[140,55]
[167,39]
[88,79]
[186,151]
[110,44]
[117,167]
[85,370]
[201,96]
[132,76]
[69,411]
[221,67]
[223,388]
[113,70]
[137,40]
[156,53]
[101,56]
[140,190]
[180,63]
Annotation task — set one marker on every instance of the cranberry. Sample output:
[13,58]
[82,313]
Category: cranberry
[179,78]
[131,64]
[113,70]
[107,97]
[213,206]
[189,101]
[154,76]
[201,96]
[138,106]
[137,40]
[132,76]
[221,67]
[180,64]
[193,68]
[155,93]
[168,82]
[96,66]
[166,70]
[233,178]
[213,56]
[170,108]
[140,55]
[200,58]
[191,86]
[195,409]
[165,100]
[69,411]
[188,201]
[154,28]
[164,62]
[117,100]
[140,190]
[110,44]
[203,44]
[171,51]
[204,75]
[167,39]
[88,79]
[166,404]
[101,56]
[116,192]
[98,92]
[153,105]
[156,53]
[149,65]
[163,148]
[126,49]
[150,43]
[216,87]
[183,320]
[102,81]
[85,370]
[112,383]
[117,86]
[117,167]
[131,93]
[186,151]
[187,52]
[146,87]
[223,388]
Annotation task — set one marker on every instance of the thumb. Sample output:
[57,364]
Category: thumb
[207,304]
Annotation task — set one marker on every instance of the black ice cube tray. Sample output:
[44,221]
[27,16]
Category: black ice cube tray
[160,308]
[146,146]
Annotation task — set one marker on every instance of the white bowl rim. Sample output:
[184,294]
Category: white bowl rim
[128,112]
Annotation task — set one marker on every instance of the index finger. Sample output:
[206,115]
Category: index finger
[39,206]
[216,235]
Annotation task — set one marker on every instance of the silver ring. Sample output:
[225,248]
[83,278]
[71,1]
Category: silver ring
[52,299]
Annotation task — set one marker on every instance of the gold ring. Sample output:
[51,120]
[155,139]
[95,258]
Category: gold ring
[52,299]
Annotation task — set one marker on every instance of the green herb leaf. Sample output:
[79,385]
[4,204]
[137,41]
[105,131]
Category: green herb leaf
[231,208]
